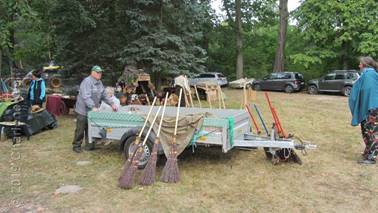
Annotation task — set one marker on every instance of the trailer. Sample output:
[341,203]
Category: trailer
[225,128]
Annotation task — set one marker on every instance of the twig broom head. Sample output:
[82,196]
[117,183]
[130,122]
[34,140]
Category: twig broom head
[171,172]
[127,179]
[149,173]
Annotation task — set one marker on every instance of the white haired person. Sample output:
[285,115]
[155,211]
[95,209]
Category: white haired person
[109,91]
[363,104]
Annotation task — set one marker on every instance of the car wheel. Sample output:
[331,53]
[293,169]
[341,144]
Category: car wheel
[257,87]
[130,148]
[313,90]
[289,89]
[346,91]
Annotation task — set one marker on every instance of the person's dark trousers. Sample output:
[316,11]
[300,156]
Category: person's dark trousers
[369,130]
[81,130]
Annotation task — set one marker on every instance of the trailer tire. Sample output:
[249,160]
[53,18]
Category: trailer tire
[268,155]
[129,147]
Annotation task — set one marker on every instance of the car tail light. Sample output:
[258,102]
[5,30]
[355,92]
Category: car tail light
[297,82]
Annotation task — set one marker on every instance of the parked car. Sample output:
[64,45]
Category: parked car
[340,81]
[239,84]
[216,77]
[282,81]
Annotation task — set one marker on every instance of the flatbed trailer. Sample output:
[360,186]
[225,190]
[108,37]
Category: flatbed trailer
[225,128]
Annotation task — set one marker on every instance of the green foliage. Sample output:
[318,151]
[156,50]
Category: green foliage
[169,37]
[260,35]
[16,18]
[337,31]
[166,36]
[86,33]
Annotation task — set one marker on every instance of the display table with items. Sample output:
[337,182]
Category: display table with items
[58,104]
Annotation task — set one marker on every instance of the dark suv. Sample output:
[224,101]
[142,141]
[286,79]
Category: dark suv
[283,81]
[336,81]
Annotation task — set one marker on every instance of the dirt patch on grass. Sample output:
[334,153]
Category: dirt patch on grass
[239,181]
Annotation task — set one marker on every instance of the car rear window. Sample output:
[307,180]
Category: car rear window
[298,76]
[351,75]
[220,75]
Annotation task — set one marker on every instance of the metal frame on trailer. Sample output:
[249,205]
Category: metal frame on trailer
[228,128]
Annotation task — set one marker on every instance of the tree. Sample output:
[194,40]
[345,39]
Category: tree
[257,18]
[280,53]
[88,33]
[239,40]
[14,15]
[336,32]
[166,36]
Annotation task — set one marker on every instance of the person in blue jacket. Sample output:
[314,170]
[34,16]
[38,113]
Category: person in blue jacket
[37,89]
[363,104]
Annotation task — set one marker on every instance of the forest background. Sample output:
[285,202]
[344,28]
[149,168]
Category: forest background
[167,37]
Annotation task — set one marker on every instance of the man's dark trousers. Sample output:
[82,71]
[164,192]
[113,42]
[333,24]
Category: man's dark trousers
[81,130]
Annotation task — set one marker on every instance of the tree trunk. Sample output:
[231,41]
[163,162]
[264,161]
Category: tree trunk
[239,40]
[157,79]
[280,53]
[12,40]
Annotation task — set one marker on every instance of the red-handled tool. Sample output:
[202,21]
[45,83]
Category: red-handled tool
[253,118]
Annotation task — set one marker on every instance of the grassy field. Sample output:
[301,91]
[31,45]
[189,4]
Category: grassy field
[329,180]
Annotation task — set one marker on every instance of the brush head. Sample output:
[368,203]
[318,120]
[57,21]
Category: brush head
[149,173]
[126,181]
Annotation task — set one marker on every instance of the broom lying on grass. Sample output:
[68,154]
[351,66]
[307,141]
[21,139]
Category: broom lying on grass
[149,173]
[171,172]
[135,144]
[128,177]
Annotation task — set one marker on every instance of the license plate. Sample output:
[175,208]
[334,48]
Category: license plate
[202,138]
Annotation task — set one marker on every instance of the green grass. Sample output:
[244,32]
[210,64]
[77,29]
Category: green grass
[329,180]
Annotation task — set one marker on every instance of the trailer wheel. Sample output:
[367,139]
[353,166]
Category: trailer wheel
[129,147]
[268,155]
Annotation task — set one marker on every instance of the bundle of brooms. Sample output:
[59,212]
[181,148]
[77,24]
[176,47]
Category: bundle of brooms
[171,172]
[149,172]
[131,164]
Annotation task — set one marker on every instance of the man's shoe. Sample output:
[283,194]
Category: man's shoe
[366,162]
[77,149]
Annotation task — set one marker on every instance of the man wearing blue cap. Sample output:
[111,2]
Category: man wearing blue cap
[91,93]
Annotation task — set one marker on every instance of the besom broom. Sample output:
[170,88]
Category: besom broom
[128,180]
[135,144]
[137,139]
[149,172]
[171,173]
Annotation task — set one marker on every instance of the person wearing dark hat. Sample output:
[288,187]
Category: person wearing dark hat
[91,93]
[37,89]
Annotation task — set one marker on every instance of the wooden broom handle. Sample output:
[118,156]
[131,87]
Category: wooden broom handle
[199,101]
[148,116]
[162,114]
[178,112]
[151,126]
